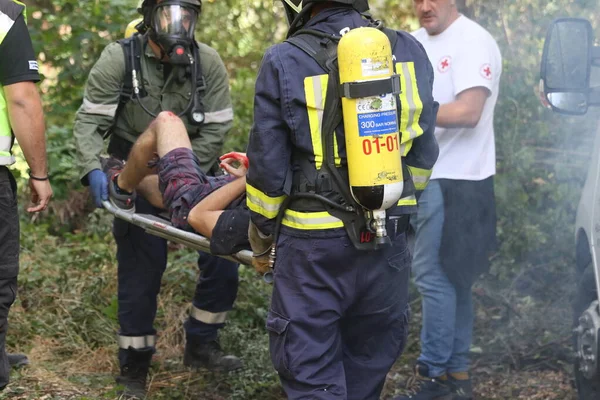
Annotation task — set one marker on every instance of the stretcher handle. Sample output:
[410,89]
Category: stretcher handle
[162,228]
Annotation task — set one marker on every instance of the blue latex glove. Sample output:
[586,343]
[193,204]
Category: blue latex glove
[98,186]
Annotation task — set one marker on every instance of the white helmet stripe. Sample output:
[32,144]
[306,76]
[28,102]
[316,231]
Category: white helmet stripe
[296,8]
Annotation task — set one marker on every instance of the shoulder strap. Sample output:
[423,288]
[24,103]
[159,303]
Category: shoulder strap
[378,24]
[132,55]
[198,100]
[132,51]
[321,47]
[200,81]
[392,36]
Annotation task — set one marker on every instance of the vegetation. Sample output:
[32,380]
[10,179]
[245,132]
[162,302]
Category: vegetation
[65,317]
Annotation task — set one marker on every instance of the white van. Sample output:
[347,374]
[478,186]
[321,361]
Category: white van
[568,63]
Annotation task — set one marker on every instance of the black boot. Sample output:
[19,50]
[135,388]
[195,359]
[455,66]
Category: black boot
[16,360]
[461,385]
[424,387]
[208,355]
[135,365]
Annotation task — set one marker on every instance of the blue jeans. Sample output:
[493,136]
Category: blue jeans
[447,329]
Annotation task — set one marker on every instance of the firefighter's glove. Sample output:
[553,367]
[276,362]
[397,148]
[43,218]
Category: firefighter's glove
[261,246]
[261,264]
[98,186]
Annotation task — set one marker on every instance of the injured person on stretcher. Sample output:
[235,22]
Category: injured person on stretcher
[162,168]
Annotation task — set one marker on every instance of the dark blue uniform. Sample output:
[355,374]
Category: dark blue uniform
[142,260]
[338,315]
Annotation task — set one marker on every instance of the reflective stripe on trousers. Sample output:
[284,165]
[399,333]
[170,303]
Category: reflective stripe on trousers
[136,342]
[208,317]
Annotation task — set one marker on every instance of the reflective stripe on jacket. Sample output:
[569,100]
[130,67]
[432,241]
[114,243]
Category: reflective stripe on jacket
[288,110]
[101,99]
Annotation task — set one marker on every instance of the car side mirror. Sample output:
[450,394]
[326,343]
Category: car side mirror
[566,66]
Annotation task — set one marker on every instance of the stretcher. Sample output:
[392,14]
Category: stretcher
[162,227]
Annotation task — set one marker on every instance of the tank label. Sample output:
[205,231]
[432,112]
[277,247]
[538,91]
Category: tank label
[375,66]
[377,115]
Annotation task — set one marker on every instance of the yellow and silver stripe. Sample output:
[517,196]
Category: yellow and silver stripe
[315,91]
[311,220]
[410,103]
[263,204]
[8,16]
[420,177]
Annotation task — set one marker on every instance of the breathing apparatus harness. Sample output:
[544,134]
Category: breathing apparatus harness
[133,87]
[329,185]
[176,41]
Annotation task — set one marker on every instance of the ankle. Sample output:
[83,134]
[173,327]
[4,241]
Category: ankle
[121,186]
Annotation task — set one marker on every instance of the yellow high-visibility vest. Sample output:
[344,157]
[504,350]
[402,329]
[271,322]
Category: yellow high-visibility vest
[9,12]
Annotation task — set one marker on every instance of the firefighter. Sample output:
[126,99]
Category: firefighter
[339,313]
[161,68]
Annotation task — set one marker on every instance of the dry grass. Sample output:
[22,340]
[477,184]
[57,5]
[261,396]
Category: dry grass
[65,320]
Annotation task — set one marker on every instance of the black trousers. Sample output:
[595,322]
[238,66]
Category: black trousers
[9,260]
[142,261]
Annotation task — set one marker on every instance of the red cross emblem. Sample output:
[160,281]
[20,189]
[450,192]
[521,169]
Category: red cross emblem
[444,64]
[486,71]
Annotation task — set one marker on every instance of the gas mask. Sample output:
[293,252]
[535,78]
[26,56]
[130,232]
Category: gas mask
[172,28]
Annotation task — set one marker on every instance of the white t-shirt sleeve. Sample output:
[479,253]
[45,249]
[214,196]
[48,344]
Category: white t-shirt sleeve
[475,66]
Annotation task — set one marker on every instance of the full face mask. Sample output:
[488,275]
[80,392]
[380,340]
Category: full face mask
[173,24]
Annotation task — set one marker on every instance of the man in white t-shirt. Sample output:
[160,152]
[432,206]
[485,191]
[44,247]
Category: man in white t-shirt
[456,221]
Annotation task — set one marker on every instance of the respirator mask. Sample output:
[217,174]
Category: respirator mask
[173,24]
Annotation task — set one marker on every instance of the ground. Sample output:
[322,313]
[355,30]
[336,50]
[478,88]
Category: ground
[65,320]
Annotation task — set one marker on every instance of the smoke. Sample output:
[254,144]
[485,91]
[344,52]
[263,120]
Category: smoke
[543,159]
[523,304]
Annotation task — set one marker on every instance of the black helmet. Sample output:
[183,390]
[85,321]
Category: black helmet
[359,5]
[296,10]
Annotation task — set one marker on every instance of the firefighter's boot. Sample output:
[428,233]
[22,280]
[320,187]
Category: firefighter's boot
[209,355]
[135,365]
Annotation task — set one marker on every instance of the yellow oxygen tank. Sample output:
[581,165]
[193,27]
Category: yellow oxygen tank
[130,30]
[369,103]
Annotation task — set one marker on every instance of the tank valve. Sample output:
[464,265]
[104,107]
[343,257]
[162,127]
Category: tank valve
[378,225]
